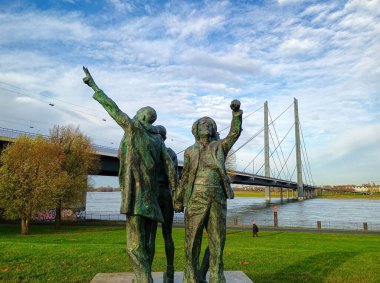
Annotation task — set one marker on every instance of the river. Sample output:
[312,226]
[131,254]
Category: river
[333,213]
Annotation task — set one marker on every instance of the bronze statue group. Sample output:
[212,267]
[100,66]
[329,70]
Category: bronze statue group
[151,190]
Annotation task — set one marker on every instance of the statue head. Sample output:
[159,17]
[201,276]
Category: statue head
[146,114]
[205,127]
[162,131]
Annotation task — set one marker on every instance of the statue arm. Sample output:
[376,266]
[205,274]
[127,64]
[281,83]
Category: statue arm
[113,110]
[109,105]
[173,157]
[180,193]
[170,168]
[236,127]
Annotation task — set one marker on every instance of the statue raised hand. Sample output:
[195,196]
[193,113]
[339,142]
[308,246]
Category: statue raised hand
[235,105]
[88,80]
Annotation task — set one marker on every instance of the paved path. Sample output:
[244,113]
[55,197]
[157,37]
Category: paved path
[299,229]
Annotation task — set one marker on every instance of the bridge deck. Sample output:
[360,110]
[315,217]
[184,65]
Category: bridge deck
[110,164]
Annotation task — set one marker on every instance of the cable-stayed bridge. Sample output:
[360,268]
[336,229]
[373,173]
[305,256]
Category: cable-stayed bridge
[273,173]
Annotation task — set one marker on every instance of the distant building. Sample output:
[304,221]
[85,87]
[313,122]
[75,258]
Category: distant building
[367,189]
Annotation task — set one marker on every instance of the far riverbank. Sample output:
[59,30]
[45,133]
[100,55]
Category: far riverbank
[325,195]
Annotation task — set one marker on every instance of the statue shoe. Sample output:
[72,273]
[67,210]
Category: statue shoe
[169,275]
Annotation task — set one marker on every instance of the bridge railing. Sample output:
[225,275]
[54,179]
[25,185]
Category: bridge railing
[240,177]
[13,134]
[234,221]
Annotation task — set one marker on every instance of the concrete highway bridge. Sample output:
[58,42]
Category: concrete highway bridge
[110,167]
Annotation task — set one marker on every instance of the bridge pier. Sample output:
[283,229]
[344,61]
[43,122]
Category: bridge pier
[287,195]
[267,194]
[281,195]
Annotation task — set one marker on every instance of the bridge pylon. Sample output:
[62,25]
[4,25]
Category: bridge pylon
[266,150]
[300,189]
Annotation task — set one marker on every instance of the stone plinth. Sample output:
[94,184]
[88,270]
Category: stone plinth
[127,277]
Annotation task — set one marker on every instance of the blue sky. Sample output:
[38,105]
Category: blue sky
[189,59]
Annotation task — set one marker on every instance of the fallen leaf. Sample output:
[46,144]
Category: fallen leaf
[5,269]
[244,262]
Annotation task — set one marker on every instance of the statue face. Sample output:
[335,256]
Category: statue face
[205,129]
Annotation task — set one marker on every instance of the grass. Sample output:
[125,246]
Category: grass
[260,194]
[78,253]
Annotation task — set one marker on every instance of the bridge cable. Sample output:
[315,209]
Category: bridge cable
[304,163]
[262,129]
[46,96]
[245,117]
[304,176]
[307,157]
[295,167]
[70,110]
[253,160]
[307,163]
[282,153]
[274,161]
[279,144]
[288,159]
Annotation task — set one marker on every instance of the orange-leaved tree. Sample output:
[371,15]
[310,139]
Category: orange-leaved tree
[80,160]
[30,172]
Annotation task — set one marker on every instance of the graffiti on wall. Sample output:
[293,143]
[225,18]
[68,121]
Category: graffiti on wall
[46,215]
[73,214]
[66,214]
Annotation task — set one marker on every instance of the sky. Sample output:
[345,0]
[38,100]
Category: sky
[189,59]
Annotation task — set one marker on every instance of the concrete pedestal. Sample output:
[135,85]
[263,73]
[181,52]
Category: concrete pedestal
[127,277]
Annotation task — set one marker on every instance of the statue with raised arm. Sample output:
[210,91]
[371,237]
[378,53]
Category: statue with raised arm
[140,153]
[203,191]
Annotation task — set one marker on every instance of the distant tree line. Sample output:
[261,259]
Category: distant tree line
[369,188]
[107,189]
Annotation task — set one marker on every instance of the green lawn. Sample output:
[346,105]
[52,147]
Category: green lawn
[76,254]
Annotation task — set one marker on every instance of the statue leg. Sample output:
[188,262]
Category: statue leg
[151,231]
[136,248]
[166,205]
[216,230]
[195,214]
[204,265]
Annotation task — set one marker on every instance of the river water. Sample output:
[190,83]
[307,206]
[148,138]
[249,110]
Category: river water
[333,213]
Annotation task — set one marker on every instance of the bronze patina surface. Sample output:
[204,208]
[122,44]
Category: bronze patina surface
[203,191]
[165,202]
[141,151]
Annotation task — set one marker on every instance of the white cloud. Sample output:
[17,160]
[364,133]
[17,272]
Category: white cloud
[197,27]
[121,5]
[191,60]
[298,47]
[290,2]
[42,26]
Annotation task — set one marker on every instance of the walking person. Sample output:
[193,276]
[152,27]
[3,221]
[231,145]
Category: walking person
[255,229]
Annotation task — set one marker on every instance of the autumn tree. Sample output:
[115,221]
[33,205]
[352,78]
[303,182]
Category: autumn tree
[30,172]
[80,160]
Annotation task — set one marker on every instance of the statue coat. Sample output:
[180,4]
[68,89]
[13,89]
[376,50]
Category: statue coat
[141,150]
